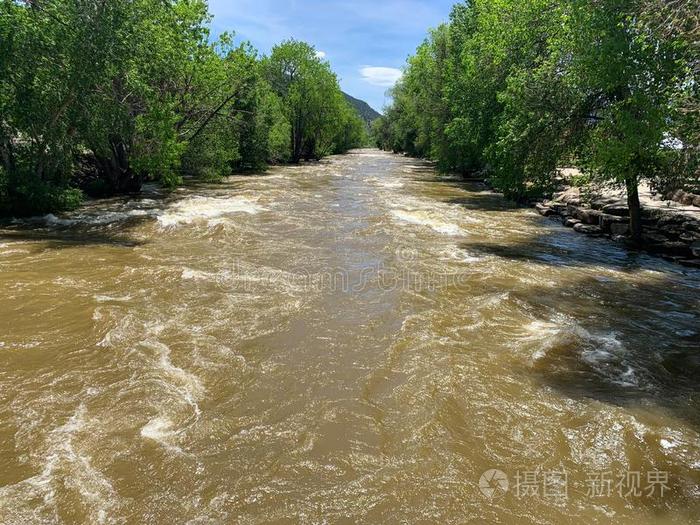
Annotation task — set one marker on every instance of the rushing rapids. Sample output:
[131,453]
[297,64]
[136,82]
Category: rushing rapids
[354,341]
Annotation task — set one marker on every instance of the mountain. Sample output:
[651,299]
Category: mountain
[366,111]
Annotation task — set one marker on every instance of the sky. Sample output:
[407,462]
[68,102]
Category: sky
[366,41]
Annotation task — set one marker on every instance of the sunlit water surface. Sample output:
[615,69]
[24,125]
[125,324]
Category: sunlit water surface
[354,341]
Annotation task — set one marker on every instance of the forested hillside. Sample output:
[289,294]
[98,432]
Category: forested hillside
[519,88]
[98,97]
[367,112]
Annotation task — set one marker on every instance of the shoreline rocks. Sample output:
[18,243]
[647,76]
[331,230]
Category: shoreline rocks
[672,234]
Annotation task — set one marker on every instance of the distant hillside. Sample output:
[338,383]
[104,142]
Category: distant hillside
[365,110]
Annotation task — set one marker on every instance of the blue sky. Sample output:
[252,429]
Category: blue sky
[367,42]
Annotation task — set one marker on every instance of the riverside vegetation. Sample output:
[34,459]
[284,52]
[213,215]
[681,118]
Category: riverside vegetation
[98,97]
[517,89]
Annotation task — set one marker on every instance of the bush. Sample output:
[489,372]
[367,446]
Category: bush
[35,197]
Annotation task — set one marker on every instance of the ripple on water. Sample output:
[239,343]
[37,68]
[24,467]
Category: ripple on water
[424,218]
[199,208]
[244,392]
[560,339]
[65,465]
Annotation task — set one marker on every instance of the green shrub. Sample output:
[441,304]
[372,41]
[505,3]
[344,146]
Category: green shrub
[32,197]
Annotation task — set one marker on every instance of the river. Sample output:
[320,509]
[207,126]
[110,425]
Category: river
[353,341]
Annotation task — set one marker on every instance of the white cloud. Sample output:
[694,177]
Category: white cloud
[381,76]
[321,54]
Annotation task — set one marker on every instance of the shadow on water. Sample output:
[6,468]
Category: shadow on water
[626,345]
[616,337]
[560,247]
[75,235]
[484,201]
[68,238]
[480,197]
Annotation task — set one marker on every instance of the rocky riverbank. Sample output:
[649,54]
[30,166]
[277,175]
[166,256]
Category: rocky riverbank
[671,229]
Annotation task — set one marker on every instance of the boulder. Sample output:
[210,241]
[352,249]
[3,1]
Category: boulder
[558,207]
[572,210]
[689,237]
[696,201]
[571,222]
[590,216]
[605,221]
[543,210]
[687,199]
[617,208]
[695,248]
[619,228]
[669,220]
[692,226]
[652,237]
[673,232]
[570,196]
[599,204]
[587,229]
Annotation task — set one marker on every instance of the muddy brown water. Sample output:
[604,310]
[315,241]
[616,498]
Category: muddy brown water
[354,341]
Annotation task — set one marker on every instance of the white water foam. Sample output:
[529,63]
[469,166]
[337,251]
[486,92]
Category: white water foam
[64,465]
[90,219]
[425,218]
[113,298]
[455,253]
[188,274]
[603,352]
[162,428]
[194,209]
[190,384]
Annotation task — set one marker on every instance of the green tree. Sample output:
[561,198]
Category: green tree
[517,88]
[313,103]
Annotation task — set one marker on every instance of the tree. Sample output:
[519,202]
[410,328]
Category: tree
[313,103]
[104,95]
[625,78]
[518,88]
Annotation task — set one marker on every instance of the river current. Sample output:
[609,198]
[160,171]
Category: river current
[361,340]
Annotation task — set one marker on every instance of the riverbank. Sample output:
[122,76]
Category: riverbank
[671,229]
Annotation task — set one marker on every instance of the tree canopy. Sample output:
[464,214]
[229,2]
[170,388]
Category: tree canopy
[101,96]
[519,88]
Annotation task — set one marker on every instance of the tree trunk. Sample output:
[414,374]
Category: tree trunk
[116,171]
[8,158]
[297,137]
[634,207]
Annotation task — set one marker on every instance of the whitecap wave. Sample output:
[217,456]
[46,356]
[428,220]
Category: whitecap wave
[195,209]
[63,465]
[425,218]
[189,389]
[602,352]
